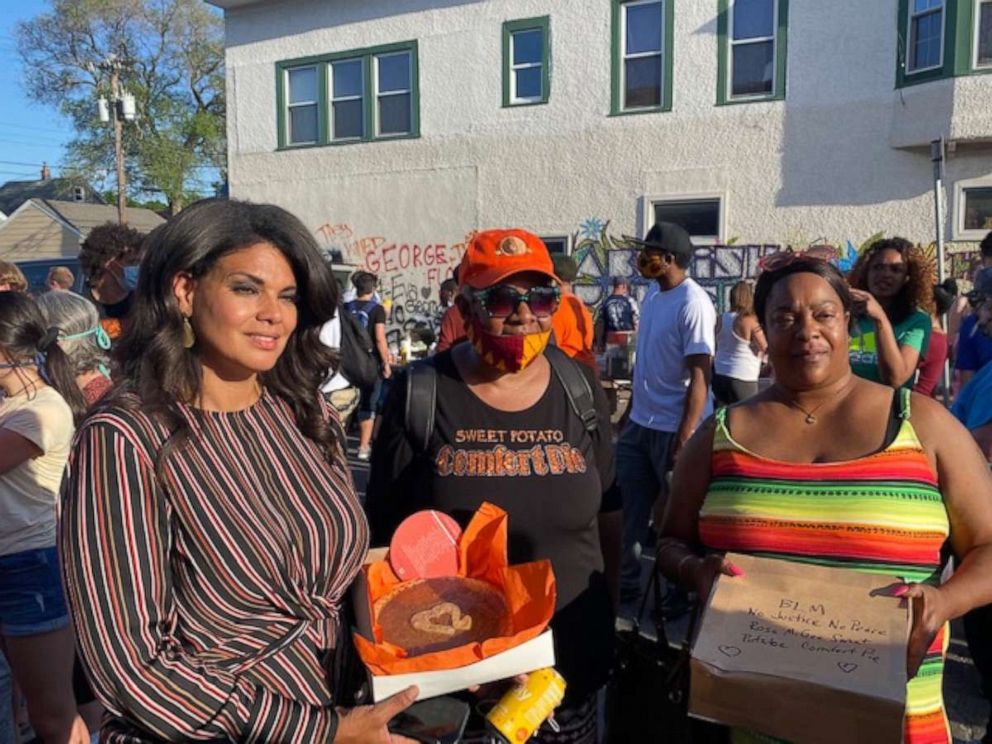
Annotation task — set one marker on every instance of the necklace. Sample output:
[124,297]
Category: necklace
[811,414]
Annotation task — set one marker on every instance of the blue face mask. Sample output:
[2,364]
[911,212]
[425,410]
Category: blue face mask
[129,278]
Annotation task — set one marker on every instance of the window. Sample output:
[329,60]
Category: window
[558,244]
[974,209]
[303,107]
[526,62]
[357,96]
[751,55]
[925,40]
[78,193]
[702,217]
[642,56]
[983,34]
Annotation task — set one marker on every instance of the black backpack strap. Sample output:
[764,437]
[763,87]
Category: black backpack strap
[576,387]
[421,403]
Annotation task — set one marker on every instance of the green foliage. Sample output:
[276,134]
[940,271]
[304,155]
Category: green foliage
[173,55]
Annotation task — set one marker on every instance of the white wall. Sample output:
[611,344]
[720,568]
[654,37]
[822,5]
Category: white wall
[820,164]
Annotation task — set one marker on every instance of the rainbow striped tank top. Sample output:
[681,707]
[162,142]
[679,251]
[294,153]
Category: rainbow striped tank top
[880,514]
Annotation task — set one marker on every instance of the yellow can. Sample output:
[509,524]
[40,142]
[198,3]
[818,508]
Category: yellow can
[523,709]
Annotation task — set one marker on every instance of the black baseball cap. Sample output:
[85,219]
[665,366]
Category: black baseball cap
[666,237]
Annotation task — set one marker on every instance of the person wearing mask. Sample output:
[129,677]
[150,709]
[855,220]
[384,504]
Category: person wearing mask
[671,389]
[39,403]
[451,329]
[932,363]
[60,279]
[109,260]
[974,347]
[826,467]
[83,339]
[740,346]
[572,324]
[210,526]
[372,316]
[12,278]
[507,382]
[890,282]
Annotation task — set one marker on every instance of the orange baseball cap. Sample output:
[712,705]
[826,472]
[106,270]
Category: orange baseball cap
[493,255]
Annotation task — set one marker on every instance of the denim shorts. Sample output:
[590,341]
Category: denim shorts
[31,597]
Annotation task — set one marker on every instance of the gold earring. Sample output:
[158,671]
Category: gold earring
[189,338]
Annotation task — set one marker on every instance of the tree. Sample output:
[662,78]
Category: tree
[173,57]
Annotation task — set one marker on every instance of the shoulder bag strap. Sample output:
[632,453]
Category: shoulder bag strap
[421,403]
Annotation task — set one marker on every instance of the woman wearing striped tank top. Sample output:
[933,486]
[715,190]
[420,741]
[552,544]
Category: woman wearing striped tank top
[828,468]
[210,528]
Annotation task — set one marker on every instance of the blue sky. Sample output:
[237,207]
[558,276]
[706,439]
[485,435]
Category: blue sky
[29,133]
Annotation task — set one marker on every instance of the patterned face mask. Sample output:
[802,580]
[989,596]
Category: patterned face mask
[506,353]
[650,264]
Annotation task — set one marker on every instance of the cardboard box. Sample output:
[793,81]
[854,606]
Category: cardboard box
[536,653]
[801,652]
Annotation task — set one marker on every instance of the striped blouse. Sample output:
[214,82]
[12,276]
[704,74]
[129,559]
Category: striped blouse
[206,602]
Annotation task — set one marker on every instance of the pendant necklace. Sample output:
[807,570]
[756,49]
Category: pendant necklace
[811,414]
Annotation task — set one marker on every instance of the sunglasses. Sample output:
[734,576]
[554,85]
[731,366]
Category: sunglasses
[503,300]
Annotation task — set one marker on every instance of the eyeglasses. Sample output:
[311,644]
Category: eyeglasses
[502,300]
[776,261]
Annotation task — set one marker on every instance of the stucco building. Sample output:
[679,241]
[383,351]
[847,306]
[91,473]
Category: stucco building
[393,128]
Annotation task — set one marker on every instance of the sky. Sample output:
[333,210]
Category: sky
[30,134]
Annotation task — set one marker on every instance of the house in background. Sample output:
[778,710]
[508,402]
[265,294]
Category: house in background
[393,128]
[14,193]
[51,229]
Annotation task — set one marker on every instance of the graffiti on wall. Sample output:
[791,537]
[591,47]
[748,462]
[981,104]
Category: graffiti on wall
[410,273]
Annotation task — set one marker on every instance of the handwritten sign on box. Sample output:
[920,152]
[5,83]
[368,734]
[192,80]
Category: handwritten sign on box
[801,652]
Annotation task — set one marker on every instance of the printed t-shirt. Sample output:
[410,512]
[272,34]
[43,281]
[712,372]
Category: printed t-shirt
[541,467]
[29,492]
[912,331]
[620,313]
[974,348]
[675,323]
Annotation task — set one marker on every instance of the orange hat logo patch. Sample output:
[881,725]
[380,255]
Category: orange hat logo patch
[512,246]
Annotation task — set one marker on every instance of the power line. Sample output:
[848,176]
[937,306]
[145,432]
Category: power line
[18,125]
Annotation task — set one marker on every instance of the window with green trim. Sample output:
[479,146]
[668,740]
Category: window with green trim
[983,35]
[642,56]
[925,36]
[526,62]
[752,50]
[361,95]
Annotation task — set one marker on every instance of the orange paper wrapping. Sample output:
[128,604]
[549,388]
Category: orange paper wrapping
[529,590]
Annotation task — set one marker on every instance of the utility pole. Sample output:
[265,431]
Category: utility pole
[121,107]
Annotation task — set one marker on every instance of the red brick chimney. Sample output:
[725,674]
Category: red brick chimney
[45,172]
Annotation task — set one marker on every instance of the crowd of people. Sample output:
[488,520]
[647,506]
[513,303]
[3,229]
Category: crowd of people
[179,525]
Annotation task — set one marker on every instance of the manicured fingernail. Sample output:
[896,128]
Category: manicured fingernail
[735,570]
[901,591]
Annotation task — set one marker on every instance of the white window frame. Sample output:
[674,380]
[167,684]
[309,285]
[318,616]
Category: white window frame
[291,106]
[640,55]
[647,208]
[909,36]
[958,233]
[558,236]
[731,96]
[331,100]
[975,23]
[514,98]
[377,94]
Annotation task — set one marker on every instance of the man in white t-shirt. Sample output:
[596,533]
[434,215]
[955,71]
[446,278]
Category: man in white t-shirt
[675,346]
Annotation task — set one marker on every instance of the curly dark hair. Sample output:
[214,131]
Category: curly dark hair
[917,294]
[160,374]
[109,241]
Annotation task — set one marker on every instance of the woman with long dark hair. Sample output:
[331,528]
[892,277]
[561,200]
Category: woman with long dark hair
[740,345]
[210,526]
[39,400]
[891,285]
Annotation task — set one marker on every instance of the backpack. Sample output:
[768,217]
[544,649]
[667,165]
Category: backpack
[361,311]
[421,397]
[359,363]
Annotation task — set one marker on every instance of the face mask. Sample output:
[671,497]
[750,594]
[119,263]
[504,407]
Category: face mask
[651,265]
[102,339]
[506,353]
[129,278]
